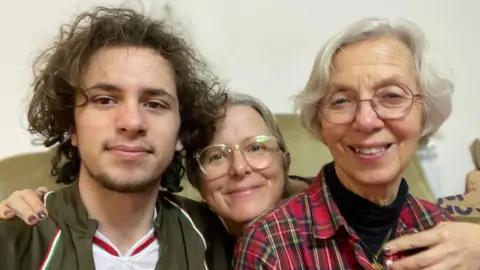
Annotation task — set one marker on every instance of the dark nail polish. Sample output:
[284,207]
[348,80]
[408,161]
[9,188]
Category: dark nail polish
[42,215]
[32,219]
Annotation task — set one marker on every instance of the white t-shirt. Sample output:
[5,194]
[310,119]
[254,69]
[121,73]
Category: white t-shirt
[141,256]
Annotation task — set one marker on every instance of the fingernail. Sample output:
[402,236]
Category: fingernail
[42,215]
[7,212]
[32,219]
[387,250]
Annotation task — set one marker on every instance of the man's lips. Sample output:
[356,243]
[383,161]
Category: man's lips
[126,151]
[129,148]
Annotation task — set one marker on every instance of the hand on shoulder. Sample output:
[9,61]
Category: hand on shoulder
[26,204]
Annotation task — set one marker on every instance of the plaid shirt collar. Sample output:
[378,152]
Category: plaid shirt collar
[327,219]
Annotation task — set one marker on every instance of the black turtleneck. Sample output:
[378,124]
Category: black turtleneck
[370,221]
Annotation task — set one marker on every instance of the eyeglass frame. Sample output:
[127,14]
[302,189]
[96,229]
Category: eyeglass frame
[237,148]
[372,105]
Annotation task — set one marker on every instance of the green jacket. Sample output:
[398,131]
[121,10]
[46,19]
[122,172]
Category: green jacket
[64,240]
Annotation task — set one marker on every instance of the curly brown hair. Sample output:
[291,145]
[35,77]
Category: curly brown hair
[58,79]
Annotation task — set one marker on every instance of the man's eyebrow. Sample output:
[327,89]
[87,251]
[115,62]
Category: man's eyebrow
[104,86]
[157,92]
[147,91]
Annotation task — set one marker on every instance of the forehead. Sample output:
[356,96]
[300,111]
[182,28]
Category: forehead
[371,61]
[241,122]
[130,68]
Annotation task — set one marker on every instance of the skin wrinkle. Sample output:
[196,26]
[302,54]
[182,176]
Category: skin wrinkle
[363,67]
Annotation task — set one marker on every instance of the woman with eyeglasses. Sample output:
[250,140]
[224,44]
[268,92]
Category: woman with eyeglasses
[244,170]
[371,97]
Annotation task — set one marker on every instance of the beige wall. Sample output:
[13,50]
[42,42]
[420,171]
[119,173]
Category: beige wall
[308,155]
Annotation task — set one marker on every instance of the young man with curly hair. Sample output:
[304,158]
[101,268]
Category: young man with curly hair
[122,96]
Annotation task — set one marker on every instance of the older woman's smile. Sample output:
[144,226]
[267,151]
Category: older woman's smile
[369,152]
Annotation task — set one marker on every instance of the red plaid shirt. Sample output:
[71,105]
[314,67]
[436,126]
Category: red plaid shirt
[308,232]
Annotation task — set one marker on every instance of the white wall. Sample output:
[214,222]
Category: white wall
[265,48]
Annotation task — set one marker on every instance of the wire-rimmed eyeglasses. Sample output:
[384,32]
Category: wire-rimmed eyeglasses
[258,153]
[391,102]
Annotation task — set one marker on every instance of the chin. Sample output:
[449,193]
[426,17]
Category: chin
[127,183]
[244,217]
[128,188]
[373,177]
[250,213]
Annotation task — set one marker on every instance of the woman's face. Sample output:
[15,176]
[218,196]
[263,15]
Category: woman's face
[243,192]
[371,151]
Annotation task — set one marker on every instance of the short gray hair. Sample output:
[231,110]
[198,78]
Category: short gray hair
[436,89]
[237,99]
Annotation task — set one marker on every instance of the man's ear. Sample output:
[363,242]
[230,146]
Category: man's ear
[178,146]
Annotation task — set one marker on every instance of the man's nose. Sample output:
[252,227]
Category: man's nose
[130,118]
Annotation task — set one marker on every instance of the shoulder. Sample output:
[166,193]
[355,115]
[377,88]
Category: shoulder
[297,208]
[14,235]
[17,228]
[282,210]
[254,250]
[270,235]
[17,231]
[13,229]
[198,212]
[219,244]
[276,236]
[191,207]
[426,213]
[279,225]
[22,244]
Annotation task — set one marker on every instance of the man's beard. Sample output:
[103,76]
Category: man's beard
[126,187]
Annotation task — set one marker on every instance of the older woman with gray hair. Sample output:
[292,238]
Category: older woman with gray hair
[371,97]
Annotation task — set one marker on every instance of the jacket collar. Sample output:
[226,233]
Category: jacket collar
[68,205]
[183,245]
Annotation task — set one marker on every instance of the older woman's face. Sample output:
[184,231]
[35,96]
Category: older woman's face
[243,192]
[369,150]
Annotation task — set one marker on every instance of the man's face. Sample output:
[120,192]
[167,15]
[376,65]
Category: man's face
[127,130]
